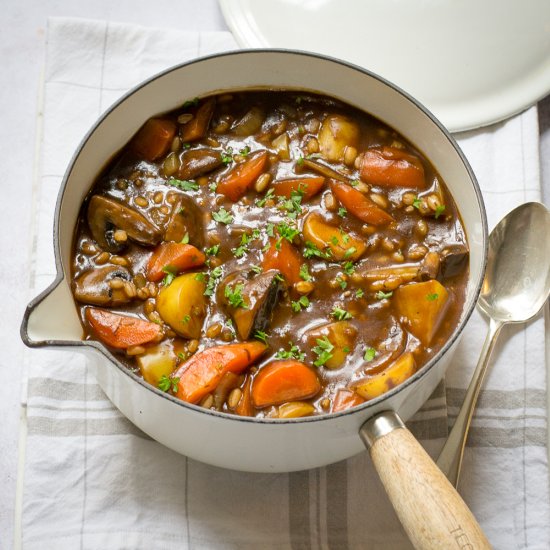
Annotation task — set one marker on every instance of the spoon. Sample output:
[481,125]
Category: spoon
[515,287]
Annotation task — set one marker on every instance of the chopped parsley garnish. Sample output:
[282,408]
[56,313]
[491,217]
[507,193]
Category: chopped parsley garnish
[213,250]
[417,203]
[380,295]
[244,151]
[350,251]
[213,186]
[200,277]
[334,240]
[186,319]
[166,383]
[304,273]
[222,216]
[311,251]
[190,103]
[227,156]
[256,268]
[342,212]
[355,183]
[286,232]
[349,268]
[300,161]
[215,274]
[359,293]
[370,354]
[267,196]
[185,239]
[261,335]
[279,278]
[293,205]
[323,351]
[341,314]
[432,297]
[270,229]
[294,352]
[171,273]
[184,185]
[302,303]
[242,249]
[343,284]
[235,297]
[439,210]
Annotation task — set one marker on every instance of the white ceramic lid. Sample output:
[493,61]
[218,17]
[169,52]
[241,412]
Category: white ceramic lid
[470,62]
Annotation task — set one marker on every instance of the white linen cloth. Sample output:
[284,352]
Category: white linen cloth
[92,480]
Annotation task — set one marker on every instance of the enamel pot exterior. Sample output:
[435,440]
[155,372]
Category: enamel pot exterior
[261,445]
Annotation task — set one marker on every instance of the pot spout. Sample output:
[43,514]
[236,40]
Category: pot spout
[51,319]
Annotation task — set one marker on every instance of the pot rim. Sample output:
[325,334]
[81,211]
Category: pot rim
[60,273]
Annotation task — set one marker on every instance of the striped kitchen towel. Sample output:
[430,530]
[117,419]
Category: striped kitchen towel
[92,480]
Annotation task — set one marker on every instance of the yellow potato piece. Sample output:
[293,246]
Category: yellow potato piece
[182,305]
[156,362]
[394,375]
[336,133]
[295,409]
[423,307]
[341,334]
[342,245]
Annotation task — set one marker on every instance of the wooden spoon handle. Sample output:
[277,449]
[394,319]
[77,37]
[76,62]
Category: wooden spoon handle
[431,511]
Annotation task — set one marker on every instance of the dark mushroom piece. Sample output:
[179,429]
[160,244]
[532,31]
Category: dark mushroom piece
[198,162]
[93,286]
[260,295]
[430,266]
[249,123]
[322,169]
[185,218]
[106,215]
[453,260]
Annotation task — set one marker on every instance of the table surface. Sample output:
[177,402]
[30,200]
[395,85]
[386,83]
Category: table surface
[22,48]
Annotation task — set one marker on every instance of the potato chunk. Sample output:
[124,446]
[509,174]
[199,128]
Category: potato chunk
[156,362]
[182,305]
[423,306]
[337,132]
[384,381]
[343,246]
[341,334]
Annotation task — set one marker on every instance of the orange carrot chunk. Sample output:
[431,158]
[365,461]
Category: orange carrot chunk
[197,127]
[200,374]
[283,256]
[175,257]
[359,205]
[307,186]
[346,399]
[392,167]
[236,182]
[121,331]
[154,138]
[282,381]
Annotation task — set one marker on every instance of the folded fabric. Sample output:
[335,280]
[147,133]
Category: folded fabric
[93,480]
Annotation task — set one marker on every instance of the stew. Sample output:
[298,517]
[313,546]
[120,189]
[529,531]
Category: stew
[270,253]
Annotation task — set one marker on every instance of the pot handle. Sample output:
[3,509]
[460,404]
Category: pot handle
[431,511]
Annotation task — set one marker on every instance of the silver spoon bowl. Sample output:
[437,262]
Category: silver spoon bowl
[516,286]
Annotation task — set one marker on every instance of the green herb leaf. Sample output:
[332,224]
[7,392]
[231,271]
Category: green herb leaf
[269,229]
[342,212]
[166,383]
[343,284]
[186,319]
[234,296]
[341,314]
[213,250]
[311,251]
[370,354]
[287,231]
[300,161]
[266,197]
[222,216]
[380,295]
[256,268]
[359,293]
[213,186]
[349,268]
[200,277]
[171,273]
[432,297]
[323,351]
[439,210]
[244,151]
[185,185]
[417,202]
[354,183]
[190,103]
[294,352]
[185,239]
[215,274]
[304,273]
[302,303]
[227,156]
[260,335]
[350,251]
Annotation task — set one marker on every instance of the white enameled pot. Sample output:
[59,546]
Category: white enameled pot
[251,444]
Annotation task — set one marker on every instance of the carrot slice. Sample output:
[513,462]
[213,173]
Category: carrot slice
[245,408]
[175,256]
[282,381]
[154,138]
[358,204]
[236,182]
[307,186]
[392,167]
[285,258]
[121,331]
[346,399]
[200,374]
[197,127]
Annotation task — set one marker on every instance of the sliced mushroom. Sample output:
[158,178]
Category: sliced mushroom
[430,266]
[453,260]
[260,296]
[106,215]
[186,218]
[196,162]
[93,286]
[323,169]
